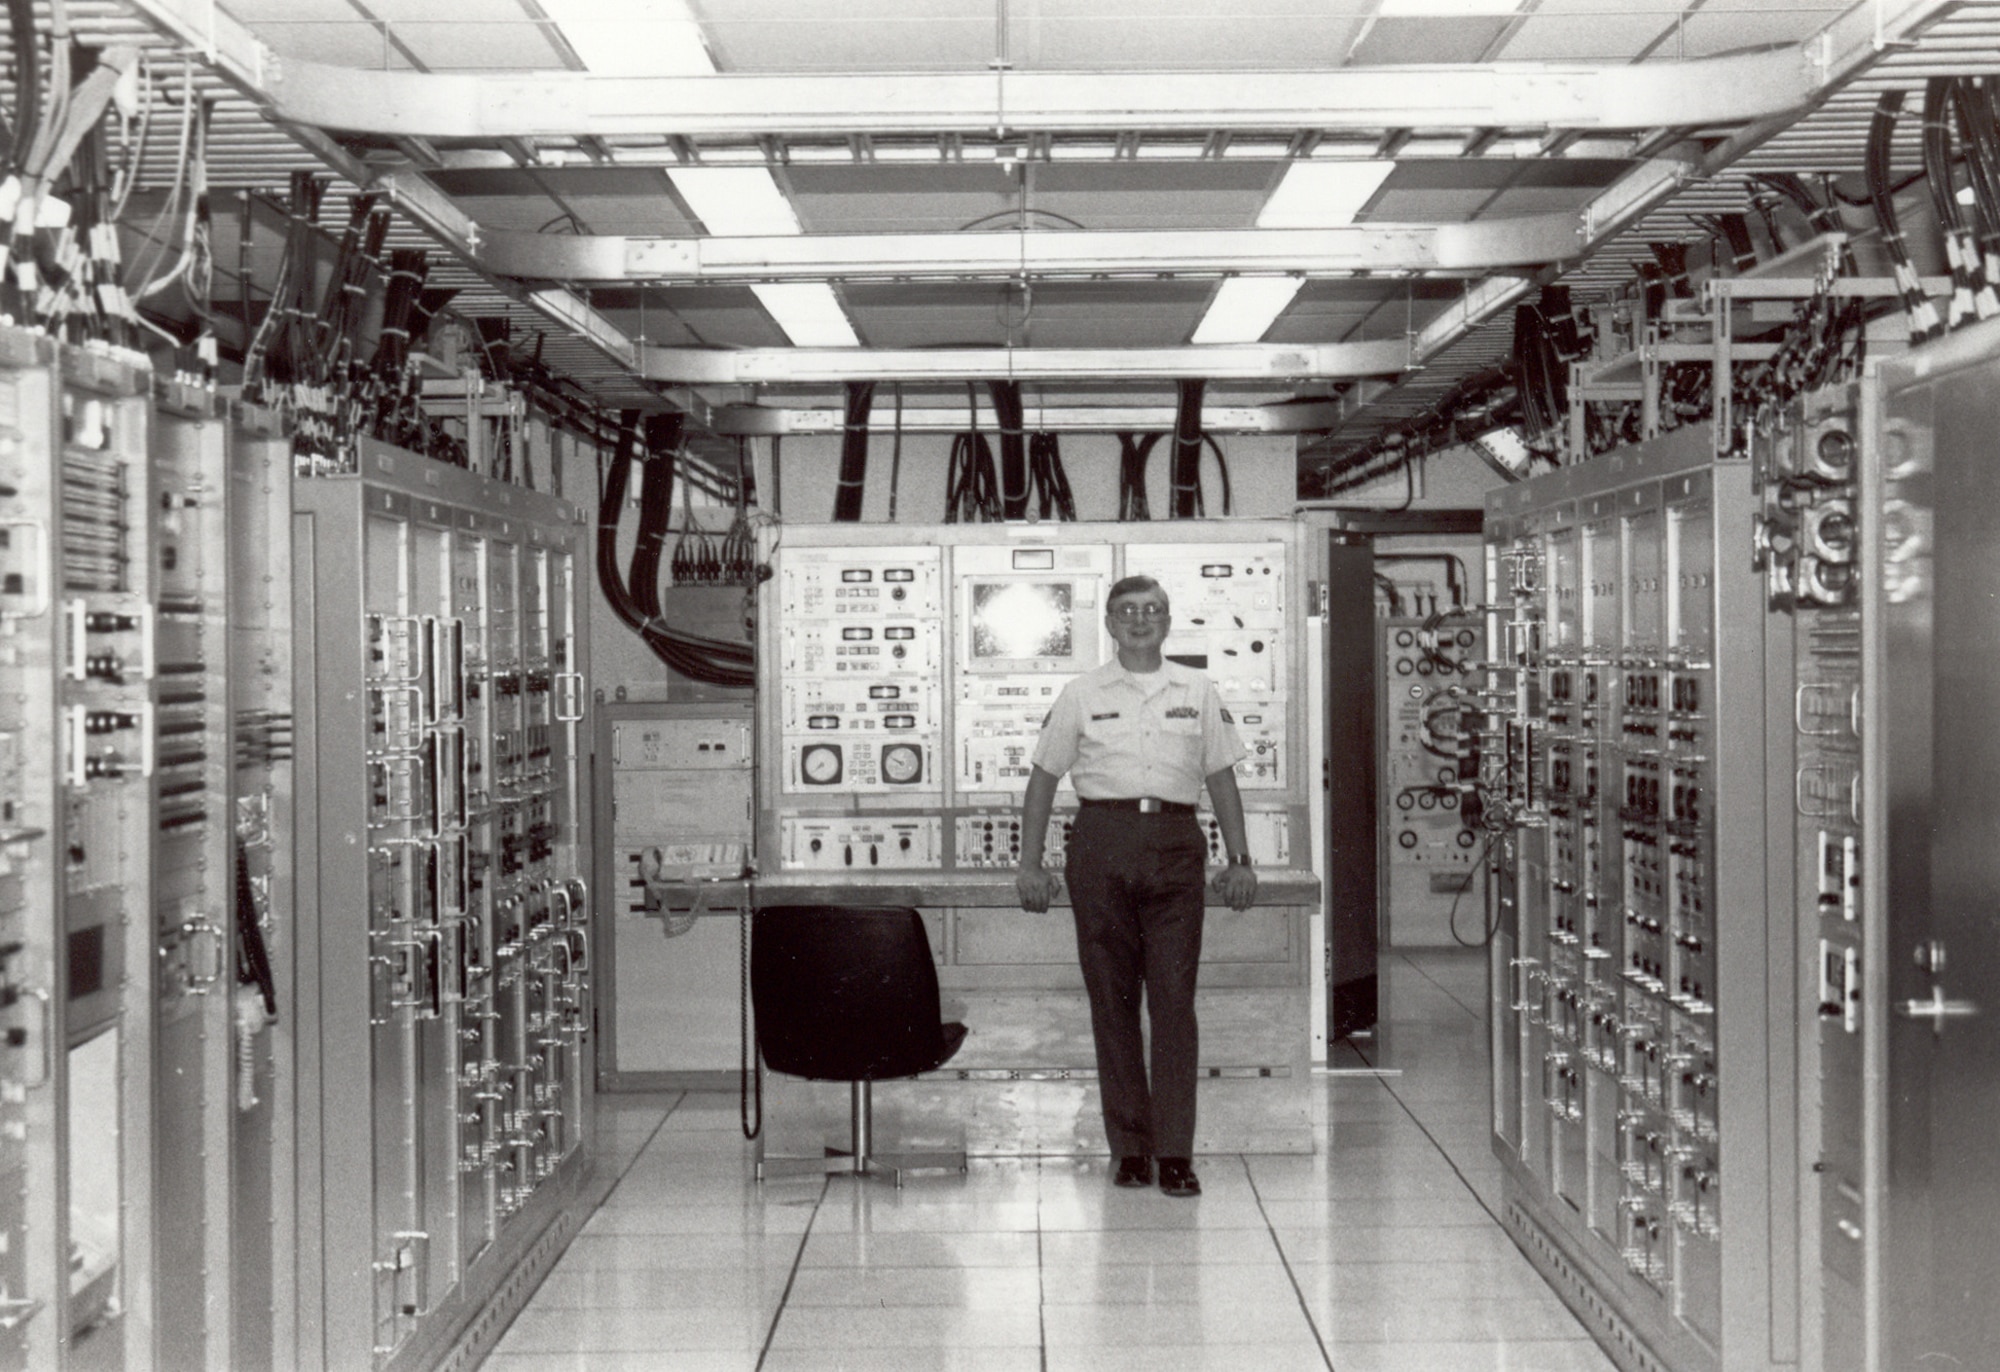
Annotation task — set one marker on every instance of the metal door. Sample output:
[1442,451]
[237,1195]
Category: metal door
[1941,582]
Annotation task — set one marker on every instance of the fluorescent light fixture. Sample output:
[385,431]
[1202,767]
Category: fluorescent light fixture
[1245,308]
[809,313]
[1444,9]
[735,202]
[662,38]
[1322,195]
[633,37]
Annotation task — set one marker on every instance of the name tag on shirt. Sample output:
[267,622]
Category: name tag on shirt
[1111,714]
[1183,712]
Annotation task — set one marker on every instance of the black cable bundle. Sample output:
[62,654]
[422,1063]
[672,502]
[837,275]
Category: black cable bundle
[18,231]
[656,508]
[1133,450]
[268,357]
[1742,247]
[1185,473]
[853,481]
[1960,250]
[1008,414]
[1979,138]
[895,455]
[1673,260]
[702,659]
[972,493]
[1533,365]
[389,383]
[1046,475]
[1924,321]
[1221,471]
[1653,288]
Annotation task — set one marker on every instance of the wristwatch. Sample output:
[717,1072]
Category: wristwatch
[1239,859]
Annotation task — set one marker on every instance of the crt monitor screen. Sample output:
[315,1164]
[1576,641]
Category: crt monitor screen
[1014,620]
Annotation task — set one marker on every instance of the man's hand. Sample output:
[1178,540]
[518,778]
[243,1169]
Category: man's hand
[1236,885]
[1037,887]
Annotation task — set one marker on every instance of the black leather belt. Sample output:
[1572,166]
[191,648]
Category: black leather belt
[1145,805]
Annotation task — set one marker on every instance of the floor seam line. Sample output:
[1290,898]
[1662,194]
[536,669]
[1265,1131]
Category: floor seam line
[1442,1151]
[1041,1276]
[626,1170]
[1285,1260]
[1417,967]
[792,1276]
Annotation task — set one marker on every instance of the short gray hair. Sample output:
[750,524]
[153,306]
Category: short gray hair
[1135,585]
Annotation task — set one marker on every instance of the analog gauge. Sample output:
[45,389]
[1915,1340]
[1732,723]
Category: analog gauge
[902,764]
[821,764]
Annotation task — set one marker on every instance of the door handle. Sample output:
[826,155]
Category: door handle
[1937,1009]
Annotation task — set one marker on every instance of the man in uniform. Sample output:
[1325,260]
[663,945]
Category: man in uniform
[1139,736]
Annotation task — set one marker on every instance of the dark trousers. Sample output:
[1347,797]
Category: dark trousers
[1135,885]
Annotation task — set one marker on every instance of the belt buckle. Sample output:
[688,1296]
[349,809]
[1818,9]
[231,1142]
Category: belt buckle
[1148,805]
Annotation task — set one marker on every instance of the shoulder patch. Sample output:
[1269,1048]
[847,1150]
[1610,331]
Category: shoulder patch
[1227,718]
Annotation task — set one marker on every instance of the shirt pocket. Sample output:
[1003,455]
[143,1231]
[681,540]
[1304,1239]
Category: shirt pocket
[1182,719]
[1110,728]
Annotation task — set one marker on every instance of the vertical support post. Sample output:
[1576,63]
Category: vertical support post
[1352,916]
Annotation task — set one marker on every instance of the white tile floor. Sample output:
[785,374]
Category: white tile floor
[1378,1254]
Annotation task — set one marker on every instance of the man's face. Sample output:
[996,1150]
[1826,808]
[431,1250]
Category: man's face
[1139,619]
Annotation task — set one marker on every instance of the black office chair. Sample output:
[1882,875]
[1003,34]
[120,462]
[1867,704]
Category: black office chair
[849,994]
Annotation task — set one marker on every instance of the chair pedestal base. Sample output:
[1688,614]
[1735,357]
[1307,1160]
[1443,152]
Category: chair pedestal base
[859,1159]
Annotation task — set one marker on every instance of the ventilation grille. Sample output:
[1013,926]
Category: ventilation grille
[1617,1338]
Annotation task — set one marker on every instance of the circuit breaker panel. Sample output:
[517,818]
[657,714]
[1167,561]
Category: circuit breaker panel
[1636,1028]
[911,681]
[1431,866]
[443,843]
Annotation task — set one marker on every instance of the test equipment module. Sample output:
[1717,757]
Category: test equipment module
[908,682]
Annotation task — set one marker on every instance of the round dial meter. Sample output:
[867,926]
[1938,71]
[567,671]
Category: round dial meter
[901,764]
[821,764]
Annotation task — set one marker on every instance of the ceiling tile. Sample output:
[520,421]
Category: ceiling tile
[1113,35]
[1523,200]
[1709,33]
[457,45]
[1590,30]
[1593,173]
[1453,173]
[346,43]
[641,216]
[835,35]
[878,199]
[1399,41]
[712,316]
[1152,314]
[1427,206]
[525,213]
[1193,195]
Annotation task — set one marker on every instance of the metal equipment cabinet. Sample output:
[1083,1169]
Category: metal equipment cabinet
[444,952]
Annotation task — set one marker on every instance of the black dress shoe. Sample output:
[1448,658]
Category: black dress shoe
[1134,1172]
[1177,1177]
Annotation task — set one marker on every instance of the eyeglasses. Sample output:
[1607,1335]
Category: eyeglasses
[1129,611]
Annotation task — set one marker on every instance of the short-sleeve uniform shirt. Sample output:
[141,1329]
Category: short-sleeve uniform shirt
[1121,735]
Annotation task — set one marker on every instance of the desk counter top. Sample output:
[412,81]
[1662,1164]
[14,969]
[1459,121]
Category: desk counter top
[929,890]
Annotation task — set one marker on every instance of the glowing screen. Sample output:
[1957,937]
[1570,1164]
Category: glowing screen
[1020,619]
